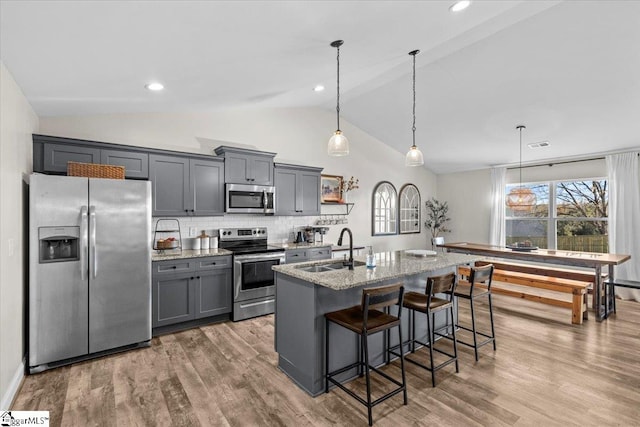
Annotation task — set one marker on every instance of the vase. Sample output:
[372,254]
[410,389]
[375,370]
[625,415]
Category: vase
[345,198]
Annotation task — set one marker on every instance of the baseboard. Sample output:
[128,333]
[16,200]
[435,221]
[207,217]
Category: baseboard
[14,385]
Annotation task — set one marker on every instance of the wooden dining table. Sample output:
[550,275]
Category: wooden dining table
[602,307]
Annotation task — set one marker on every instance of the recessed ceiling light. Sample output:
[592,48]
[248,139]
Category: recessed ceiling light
[154,86]
[318,88]
[459,5]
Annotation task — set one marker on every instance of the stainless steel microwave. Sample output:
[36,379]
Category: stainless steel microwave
[250,199]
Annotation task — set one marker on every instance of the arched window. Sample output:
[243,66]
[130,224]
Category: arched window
[409,209]
[385,207]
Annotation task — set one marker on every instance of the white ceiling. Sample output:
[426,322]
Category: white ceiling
[569,71]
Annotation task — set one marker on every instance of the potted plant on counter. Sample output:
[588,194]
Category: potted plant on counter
[436,220]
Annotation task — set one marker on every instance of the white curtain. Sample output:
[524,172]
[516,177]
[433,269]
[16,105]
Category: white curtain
[624,217]
[498,200]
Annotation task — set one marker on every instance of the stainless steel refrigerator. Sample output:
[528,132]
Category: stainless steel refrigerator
[89,268]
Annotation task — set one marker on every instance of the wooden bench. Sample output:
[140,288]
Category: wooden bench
[577,289]
[563,273]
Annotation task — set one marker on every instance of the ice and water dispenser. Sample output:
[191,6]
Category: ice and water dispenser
[59,244]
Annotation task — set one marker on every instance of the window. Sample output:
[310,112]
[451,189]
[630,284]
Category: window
[409,209]
[568,215]
[384,209]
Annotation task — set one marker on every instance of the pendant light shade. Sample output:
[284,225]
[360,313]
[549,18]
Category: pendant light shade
[338,144]
[414,156]
[521,199]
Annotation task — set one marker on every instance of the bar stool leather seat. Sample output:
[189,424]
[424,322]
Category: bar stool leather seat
[367,319]
[430,303]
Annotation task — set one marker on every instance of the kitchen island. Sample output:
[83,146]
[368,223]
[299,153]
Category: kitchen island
[303,297]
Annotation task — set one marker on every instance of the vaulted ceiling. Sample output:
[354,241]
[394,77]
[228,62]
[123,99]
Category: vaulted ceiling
[568,70]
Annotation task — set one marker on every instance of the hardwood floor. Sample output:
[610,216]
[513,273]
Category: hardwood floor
[545,372]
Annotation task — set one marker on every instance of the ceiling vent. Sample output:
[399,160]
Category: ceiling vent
[540,144]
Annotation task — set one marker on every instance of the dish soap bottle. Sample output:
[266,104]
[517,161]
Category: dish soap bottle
[371,258]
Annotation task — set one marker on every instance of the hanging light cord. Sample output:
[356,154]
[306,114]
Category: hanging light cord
[338,88]
[413,128]
[520,128]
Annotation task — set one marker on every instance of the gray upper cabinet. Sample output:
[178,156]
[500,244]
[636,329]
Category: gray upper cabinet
[136,165]
[207,186]
[183,186]
[170,190]
[51,154]
[297,190]
[244,166]
[56,156]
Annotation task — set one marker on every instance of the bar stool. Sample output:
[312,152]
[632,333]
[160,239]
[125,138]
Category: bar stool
[429,304]
[367,319]
[469,290]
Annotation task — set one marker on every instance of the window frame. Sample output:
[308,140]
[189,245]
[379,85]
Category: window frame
[552,218]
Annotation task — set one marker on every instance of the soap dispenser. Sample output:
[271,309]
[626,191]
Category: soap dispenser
[371,258]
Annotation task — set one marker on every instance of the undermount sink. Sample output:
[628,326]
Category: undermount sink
[333,266]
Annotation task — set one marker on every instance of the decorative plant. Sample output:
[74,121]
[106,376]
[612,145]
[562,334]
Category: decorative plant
[351,184]
[436,217]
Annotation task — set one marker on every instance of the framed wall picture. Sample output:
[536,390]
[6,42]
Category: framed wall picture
[330,188]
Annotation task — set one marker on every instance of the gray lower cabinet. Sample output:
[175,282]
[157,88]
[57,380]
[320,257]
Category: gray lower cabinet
[186,187]
[307,254]
[190,289]
[297,190]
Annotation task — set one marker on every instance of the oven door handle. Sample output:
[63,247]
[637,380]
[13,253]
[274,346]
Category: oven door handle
[259,257]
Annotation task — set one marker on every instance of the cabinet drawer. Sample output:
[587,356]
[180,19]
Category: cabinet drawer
[213,263]
[319,253]
[296,255]
[174,266]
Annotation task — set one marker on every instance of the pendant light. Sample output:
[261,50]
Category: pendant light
[521,199]
[414,156]
[338,144]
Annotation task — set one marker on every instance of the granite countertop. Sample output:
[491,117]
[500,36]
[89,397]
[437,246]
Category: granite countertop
[187,253]
[389,265]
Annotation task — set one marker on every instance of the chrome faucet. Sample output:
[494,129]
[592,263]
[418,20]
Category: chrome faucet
[350,262]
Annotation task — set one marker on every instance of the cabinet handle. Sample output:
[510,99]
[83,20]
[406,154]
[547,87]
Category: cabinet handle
[174,266]
[198,277]
[192,278]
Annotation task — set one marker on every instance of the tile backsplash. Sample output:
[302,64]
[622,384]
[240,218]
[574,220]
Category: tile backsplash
[280,228]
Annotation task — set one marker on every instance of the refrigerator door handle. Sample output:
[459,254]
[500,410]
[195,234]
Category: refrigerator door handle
[84,236]
[93,263]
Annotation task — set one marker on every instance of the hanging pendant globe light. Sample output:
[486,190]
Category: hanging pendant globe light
[414,156]
[521,199]
[338,144]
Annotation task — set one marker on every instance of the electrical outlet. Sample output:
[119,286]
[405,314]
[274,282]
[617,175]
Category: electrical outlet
[192,232]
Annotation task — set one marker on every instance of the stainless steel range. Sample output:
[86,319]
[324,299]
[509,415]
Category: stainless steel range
[254,291]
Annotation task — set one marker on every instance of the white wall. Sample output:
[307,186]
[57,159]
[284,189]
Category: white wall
[299,136]
[17,123]
[470,203]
